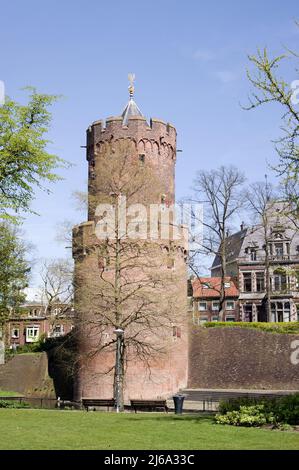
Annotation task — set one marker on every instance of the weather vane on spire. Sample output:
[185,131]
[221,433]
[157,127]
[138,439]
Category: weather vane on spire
[131,77]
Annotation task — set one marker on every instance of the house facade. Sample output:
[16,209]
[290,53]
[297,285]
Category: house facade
[35,321]
[266,254]
[206,295]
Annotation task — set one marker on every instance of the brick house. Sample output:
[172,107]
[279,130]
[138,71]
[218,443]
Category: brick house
[206,294]
[35,321]
[246,261]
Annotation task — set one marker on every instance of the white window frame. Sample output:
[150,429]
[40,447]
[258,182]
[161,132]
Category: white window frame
[15,328]
[243,281]
[202,309]
[215,309]
[230,308]
[32,338]
[57,334]
[227,285]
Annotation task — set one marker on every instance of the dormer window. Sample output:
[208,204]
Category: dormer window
[252,252]
[278,250]
[226,285]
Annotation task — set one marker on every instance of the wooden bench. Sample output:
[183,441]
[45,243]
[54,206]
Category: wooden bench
[148,405]
[93,402]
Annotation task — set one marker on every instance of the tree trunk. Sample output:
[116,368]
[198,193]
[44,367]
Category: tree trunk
[267,272]
[2,352]
[119,375]
[119,356]
[222,286]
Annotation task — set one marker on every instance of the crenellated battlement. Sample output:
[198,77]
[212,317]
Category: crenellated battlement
[136,129]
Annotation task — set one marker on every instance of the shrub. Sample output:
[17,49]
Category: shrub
[234,404]
[286,409]
[270,327]
[13,404]
[254,415]
[280,410]
[37,346]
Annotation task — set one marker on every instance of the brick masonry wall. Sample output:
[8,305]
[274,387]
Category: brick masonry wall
[241,358]
[27,374]
[167,372]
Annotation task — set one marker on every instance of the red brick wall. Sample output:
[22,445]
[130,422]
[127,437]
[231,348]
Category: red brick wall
[241,358]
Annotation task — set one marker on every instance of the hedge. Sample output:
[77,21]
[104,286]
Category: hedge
[283,328]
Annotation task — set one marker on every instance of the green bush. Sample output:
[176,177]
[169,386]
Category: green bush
[234,404]
[13,404]
[254,415]
[37,346]
[280,410]
[286,409]
[282,328]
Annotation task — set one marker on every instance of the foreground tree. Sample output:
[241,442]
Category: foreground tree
[269,89]
[14,271]
[25,163]
[222,195]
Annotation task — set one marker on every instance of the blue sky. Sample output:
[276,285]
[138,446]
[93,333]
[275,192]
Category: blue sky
[190,62]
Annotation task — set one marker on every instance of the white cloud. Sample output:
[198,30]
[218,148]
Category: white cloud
[203,54]
[226,76]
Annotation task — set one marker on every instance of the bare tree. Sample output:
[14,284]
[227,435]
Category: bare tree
[125,282]
[221,193]
[57,285]
[65,227]
[261,202]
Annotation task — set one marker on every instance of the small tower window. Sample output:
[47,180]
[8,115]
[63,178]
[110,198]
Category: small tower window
[142,157]
[176,332]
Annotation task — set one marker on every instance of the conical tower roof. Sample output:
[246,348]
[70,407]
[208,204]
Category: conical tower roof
[131,108]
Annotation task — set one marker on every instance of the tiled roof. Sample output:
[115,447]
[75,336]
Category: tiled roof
[210,287]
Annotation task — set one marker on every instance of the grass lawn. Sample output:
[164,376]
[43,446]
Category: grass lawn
[50,429]
[5,393]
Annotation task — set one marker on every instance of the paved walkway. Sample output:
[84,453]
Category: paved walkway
[199,399]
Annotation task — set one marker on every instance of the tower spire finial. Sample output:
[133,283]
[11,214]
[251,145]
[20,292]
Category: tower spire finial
[131,77]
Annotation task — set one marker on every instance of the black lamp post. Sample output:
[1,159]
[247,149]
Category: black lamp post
[118,370]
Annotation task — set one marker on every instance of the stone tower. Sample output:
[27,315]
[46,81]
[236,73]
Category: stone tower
[156,363]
